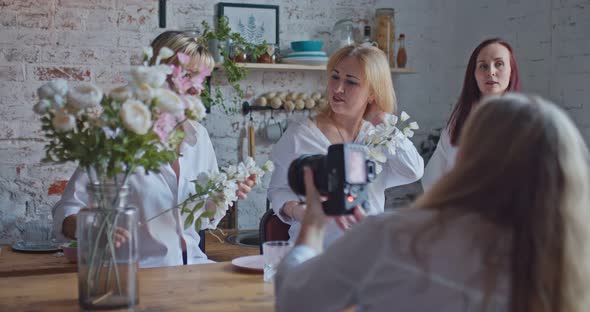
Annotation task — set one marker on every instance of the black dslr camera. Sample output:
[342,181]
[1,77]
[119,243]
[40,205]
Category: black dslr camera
[342,176]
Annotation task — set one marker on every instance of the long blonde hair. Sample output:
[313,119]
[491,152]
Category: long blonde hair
[377,74]
[524,167]
[179,41]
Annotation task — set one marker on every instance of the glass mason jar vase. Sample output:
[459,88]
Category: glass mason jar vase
[107,249]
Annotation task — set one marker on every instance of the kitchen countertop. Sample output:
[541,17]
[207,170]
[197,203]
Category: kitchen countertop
[13,263]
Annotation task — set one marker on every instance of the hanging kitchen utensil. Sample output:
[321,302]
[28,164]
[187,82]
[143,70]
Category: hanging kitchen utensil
[251,137]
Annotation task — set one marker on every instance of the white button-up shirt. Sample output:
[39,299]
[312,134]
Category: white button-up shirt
[441,162]
[375,268]
[304,137]
[159,239]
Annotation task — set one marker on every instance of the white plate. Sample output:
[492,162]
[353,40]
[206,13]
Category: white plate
[311,53]
[306,60]
[254,263]
[37,247]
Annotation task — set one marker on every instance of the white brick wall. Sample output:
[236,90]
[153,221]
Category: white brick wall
[95,40]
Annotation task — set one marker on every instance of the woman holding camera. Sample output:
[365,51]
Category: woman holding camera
[501,232]
[360,94]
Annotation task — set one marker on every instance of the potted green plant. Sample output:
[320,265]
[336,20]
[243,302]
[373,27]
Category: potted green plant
[223,37]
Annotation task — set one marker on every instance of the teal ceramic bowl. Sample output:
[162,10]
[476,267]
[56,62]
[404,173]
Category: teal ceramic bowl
[307,45]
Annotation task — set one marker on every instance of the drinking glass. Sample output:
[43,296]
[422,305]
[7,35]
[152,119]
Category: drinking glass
[273,252]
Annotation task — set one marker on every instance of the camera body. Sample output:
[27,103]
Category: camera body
[342,175]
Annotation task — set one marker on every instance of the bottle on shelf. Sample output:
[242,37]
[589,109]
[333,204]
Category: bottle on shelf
[402,56]
[366,41]
[385,33]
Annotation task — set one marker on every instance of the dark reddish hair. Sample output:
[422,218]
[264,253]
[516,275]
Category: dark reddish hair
[470,94]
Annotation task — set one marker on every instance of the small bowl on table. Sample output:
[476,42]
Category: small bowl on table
[307,45]
[70,252]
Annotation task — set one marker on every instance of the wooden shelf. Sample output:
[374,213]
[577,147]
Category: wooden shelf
[295,67]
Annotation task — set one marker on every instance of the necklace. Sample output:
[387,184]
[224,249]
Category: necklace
[340,133]
[355,133]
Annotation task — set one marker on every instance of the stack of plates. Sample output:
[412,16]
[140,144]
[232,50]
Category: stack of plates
[306,58]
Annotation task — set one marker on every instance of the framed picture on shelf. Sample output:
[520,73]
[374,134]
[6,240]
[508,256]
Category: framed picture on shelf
[255,22]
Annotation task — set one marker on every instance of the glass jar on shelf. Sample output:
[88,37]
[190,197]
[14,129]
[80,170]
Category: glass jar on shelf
[343,33]
[385,33]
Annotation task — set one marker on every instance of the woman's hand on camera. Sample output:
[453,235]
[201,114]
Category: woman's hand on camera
[294,210]
[345,222]
[314,219]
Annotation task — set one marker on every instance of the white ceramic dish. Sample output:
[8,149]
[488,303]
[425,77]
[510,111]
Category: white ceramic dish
[306,60]
[37,247]
[253,263]
[310,53]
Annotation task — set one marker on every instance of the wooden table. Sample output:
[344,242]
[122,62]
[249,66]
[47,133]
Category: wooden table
[13,263]
[200,287]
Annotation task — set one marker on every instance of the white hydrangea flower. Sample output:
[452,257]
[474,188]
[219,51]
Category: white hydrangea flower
[168,101]
[63,122]
[83,96]
[136,116]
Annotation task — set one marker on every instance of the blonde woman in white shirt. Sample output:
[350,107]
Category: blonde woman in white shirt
[360,92]
[163,241]
[506,230]
[491,70]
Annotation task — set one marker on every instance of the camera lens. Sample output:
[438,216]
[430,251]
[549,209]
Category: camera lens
[295,174]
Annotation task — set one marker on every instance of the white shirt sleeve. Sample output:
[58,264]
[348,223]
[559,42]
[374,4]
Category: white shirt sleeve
[403,167]
[74,198]
[441,162]
[279,192]
[330,281]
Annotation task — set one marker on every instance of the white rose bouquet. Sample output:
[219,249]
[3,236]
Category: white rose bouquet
[387,136]
[133,126]
[112,135]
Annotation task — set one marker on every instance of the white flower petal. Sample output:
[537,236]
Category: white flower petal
[168,101]
[83,96]
[408,133]
[42,106]
[144,93]
[55,87]
[136,116]
[121,94]
[195,105]
[148,53]
[413,125]
[165,53]
[63,122]
[404,116]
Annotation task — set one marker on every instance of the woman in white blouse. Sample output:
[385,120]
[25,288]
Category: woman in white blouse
[506,230]
[163,241]
[491,70]
[360,93]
